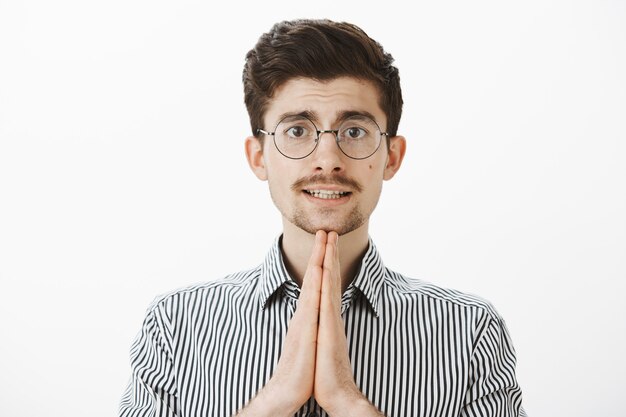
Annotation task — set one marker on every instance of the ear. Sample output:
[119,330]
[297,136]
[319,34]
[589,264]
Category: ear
[397,148]
[254,154]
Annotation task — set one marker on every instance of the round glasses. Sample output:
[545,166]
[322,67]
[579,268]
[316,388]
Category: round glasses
[296,137]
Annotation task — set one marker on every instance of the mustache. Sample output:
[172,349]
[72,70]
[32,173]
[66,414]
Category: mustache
[325,179]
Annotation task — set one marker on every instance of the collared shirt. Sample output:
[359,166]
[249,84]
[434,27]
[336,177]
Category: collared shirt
[416,349]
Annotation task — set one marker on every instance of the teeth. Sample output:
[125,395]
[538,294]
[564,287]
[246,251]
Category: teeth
[326,194]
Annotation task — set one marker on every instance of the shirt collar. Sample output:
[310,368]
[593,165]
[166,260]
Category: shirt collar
[273,273]
[369,278]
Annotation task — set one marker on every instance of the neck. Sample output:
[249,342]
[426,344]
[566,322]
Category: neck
[297,246]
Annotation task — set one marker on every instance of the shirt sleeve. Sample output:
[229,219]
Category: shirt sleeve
[493,389]
[151,391]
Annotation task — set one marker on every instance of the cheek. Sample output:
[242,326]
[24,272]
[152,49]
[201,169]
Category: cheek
[375,166]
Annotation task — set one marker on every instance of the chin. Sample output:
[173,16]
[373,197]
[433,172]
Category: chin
[351,223]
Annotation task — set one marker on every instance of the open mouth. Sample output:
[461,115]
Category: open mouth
[327,194]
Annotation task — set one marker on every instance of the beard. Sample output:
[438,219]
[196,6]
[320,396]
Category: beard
[326,220]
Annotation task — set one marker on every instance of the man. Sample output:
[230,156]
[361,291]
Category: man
[322,327]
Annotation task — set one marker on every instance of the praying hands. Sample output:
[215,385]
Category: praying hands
[315,360]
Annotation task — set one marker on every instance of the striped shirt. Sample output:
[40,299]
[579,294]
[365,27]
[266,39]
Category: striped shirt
[415,349]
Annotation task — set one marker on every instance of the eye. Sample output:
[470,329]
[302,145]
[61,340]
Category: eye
[354,132]
[297,132]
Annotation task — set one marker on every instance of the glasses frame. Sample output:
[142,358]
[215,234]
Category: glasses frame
[319,134]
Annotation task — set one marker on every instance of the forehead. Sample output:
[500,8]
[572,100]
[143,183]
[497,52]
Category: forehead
[325,100]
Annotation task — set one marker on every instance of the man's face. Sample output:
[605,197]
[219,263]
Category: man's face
[327,190]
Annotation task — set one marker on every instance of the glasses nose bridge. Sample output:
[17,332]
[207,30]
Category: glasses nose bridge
[335,133]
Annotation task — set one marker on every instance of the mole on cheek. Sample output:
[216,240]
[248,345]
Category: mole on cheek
[370,166]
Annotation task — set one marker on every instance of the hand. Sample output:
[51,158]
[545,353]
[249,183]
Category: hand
[335,389]
[295,371]
[315,360]
[291,384]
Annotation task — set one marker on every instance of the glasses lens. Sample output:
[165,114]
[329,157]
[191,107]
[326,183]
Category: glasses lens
[359,137]
[295,137]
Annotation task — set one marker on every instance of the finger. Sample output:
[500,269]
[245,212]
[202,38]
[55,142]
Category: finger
[332,258]
[331,280]
[317,256]
[316,260]
[331,251]
[333,237]
[312,280]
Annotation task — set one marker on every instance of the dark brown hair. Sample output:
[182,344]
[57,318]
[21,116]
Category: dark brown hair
[322,50]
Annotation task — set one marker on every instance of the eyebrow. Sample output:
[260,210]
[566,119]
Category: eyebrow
[341,116]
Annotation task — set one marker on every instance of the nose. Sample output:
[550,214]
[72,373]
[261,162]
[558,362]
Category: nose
[327,156]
